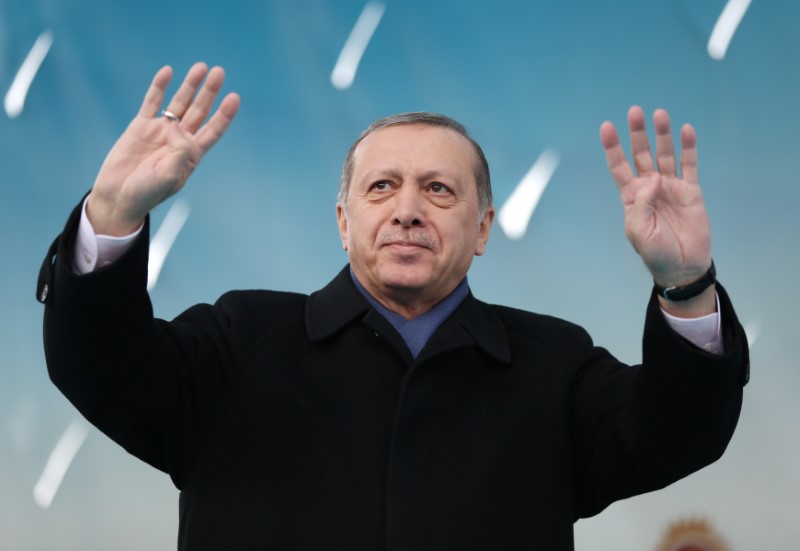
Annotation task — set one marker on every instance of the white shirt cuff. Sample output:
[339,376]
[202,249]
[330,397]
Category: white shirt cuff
[94,251]
[703,332]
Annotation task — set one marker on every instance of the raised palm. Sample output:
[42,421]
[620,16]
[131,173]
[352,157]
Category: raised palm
[155,156]
[665,215]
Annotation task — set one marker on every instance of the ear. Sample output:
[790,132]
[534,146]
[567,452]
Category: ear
[483,231]
[341,221]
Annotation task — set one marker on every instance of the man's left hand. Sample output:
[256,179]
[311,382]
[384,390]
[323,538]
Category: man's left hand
[665,216]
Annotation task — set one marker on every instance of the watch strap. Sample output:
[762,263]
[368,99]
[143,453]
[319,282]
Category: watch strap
[685,292]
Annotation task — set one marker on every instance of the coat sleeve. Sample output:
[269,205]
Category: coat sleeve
[640,428]
[154,387]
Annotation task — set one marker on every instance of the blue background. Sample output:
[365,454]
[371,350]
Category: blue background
[523,77]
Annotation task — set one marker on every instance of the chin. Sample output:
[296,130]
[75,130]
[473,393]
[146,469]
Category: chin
[405,277]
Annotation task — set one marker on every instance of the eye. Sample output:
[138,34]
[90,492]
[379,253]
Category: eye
[438,187]
[381,185]
[380,190]
[440,194]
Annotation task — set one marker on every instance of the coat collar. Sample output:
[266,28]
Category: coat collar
[334,306]
[473,323]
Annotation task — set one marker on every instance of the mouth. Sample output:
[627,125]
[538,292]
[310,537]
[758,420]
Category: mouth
[404,246]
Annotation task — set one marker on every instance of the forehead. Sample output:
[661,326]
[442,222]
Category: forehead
[411,147]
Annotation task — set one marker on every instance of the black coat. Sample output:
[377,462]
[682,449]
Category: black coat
[302,422]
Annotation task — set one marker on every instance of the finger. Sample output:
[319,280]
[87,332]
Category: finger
[219,122]
[615,155]
[201,106]
[689,154]
[183,97]
[640,146]
[665,151]
[155,94]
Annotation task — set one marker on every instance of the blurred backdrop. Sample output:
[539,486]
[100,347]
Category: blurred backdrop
[532,81]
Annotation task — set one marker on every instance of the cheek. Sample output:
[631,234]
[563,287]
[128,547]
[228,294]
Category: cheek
[361,232]
[371,220]
[464,241]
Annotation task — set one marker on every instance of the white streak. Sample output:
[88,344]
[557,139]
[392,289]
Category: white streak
[164,239]
[726,26]
[15,97]
[346,66]
[752,329]
[57,465]
[517,211]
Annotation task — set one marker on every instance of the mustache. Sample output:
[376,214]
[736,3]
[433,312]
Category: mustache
[414,236]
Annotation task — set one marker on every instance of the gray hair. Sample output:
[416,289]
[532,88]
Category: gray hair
[425,119]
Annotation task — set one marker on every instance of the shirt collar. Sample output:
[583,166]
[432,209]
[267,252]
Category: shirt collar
[473,322]
[417,331]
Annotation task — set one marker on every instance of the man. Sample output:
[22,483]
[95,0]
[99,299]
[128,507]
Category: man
[391,409]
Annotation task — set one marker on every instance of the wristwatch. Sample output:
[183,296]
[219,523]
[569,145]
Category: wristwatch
[691,290]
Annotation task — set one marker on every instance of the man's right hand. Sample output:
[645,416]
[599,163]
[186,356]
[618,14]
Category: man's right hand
[155,156]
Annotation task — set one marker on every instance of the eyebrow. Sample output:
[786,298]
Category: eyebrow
[395,174]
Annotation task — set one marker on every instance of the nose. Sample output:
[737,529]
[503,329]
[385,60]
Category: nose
[409,207]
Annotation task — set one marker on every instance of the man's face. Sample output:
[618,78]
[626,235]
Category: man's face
[411,225]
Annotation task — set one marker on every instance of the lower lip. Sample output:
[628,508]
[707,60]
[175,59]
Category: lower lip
[402,247]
